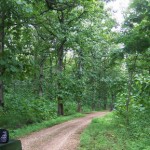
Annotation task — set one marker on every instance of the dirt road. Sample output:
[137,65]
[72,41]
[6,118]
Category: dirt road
[64,136]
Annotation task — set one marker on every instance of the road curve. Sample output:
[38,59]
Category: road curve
[64,136]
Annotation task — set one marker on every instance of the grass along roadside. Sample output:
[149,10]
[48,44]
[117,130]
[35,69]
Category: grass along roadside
[104,134]
[38,126]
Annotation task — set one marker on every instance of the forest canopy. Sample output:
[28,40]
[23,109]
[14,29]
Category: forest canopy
[59,57]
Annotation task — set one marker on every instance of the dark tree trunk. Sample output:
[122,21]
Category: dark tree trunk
[1,51]
[112,101]
[93,106]
[94,96]
[35,79]
[51,77]
[79,76]
[60,53]
[79,108]
[105,102]
[41,80]
[99,106]
[41,76]
[60,100]
[60,107]
[105,105]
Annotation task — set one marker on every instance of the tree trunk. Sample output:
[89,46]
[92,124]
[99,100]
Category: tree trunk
[51,77]
[112,101]
[60,53]
[60,107]
[105,102]
[94,96]
[41,80]
[79,76]
[1,51]
[79,107]
[99,106]
[93,106]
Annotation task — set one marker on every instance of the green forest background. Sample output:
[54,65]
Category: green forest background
[59,57]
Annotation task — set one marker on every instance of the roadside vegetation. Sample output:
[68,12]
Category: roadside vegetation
[17,133]
[128,127]
[110,133]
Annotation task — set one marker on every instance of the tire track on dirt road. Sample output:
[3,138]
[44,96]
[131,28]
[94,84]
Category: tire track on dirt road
[64,136]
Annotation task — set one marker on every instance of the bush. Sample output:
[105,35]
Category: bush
[70,108]
[108,133]
[17,113]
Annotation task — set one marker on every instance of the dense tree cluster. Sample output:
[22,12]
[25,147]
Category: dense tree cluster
[62,56]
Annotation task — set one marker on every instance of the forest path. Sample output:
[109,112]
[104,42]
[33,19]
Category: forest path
[64,136]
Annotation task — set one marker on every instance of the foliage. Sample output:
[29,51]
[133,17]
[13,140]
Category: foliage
[137,26]
[105,133]
[45,58]
[57,58]
[38,126]
[28,112]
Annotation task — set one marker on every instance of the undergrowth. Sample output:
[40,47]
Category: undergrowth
[108,134]
[20,132]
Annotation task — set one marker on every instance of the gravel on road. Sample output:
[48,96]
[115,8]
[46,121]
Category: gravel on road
[64,136]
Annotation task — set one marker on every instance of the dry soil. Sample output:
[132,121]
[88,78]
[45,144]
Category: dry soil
[65,136]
